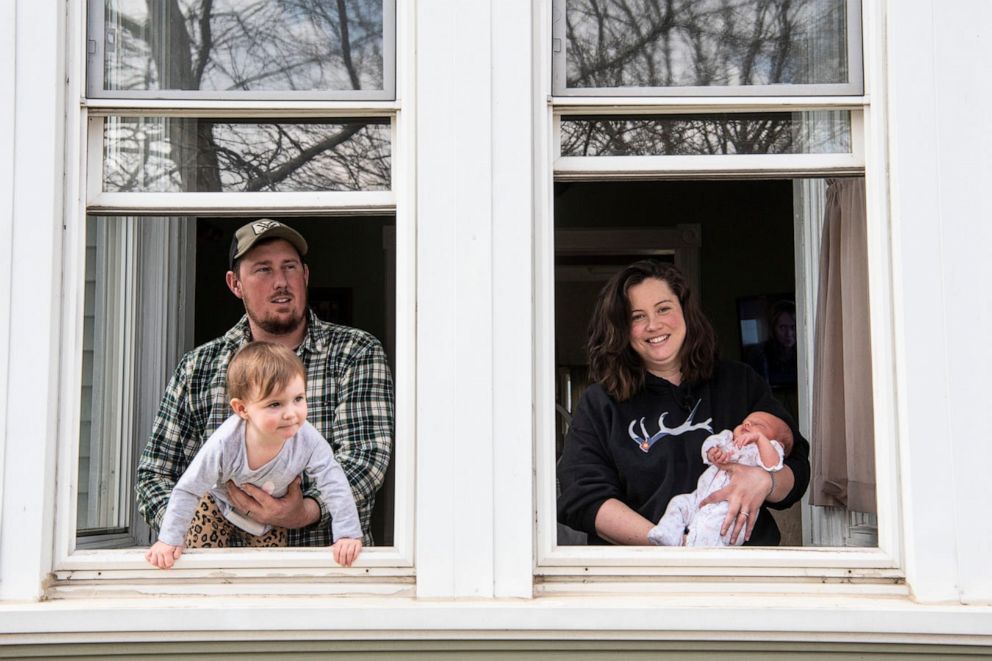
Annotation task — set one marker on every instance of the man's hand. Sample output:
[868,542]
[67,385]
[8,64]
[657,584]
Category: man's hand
[163,555]
[346,551]
[290,511]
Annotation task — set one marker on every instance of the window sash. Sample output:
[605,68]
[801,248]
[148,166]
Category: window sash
[854,86]
[95,51]
[572,168]
[99,201]
[560,566]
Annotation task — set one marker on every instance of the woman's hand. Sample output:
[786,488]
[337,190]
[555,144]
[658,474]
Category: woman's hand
[749,487]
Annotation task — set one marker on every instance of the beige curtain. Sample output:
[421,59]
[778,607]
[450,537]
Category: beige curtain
[843,423]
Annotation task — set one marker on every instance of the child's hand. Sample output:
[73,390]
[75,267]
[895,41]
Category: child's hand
[163,555]
[346,551]
[719,456]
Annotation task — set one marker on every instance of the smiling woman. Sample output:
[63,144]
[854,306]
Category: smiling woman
[652,356]
[657,328]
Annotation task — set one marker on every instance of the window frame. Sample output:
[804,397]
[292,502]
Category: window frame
[94,70]
[562,570]
[854,87]
[383,570]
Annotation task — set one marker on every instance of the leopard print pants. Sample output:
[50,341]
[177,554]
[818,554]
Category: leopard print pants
[210,530]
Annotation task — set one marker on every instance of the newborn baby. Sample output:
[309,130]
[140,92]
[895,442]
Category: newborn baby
[762,439]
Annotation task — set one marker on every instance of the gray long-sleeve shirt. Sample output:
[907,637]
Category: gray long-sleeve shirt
[223,457]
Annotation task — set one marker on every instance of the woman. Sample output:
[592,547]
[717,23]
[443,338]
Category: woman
[659,392]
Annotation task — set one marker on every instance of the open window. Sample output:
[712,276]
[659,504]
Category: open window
[668,140]
[739,244]
[200,116]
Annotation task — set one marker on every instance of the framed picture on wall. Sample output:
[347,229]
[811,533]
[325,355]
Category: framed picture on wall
[767,325]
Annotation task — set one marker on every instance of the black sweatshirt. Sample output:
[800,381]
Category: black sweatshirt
[619,450]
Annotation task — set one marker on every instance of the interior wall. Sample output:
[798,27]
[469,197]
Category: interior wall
[344,253]
[747,237]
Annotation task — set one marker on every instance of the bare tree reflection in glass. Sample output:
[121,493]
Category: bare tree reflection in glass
[246,45]
[666,43]
[707,134]
[142,154]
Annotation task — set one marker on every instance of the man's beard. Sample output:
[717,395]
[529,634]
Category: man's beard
[275,325]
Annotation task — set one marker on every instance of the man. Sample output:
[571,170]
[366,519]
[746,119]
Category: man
[349,391]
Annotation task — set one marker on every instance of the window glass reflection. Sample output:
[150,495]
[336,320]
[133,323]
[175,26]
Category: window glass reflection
[243,45]
[161,154]
[684,43]
[821,132]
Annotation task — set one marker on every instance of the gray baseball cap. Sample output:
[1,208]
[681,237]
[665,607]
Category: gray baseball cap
[264,229]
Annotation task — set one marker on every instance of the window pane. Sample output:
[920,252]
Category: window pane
[161,154]
[821,132]
[243,45]
[104,416]
[705,43]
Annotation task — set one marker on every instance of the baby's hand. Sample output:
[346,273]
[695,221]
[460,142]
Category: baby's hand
[747,438]
[346,551]
[719,456]
[163,555]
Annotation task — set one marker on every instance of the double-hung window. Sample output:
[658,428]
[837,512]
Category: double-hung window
[197,116]
[736,140]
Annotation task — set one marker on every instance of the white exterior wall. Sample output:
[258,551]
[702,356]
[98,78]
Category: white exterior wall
[940,96]
[478,91]
[31,215]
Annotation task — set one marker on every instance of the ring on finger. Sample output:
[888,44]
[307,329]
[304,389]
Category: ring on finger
[744,514]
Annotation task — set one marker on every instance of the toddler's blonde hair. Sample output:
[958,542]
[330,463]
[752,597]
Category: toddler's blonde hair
[260,368]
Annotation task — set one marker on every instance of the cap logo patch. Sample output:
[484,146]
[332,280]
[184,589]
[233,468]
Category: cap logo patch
[263,226]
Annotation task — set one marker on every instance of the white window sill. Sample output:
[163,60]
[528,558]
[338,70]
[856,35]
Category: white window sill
[683,616]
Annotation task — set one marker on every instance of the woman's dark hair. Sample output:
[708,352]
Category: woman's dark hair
[613,362]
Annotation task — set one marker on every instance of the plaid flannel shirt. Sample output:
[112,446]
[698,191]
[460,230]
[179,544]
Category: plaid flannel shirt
[349,399]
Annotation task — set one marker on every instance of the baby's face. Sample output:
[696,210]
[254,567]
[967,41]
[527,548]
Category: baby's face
[773,427]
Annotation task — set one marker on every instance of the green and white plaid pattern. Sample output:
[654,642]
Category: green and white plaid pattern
[350,402]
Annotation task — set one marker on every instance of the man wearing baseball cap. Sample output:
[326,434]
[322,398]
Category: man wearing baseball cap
[349,390]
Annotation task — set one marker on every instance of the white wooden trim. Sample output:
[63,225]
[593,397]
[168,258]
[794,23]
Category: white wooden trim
[236,108]
[8,107]
[668,561]
[455,516]
[513,163]
[881,291]
[404,180]
[546,149]
[130,563]
[33,358]
[317,203]
[677,105]
[750,165]
[824,616]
